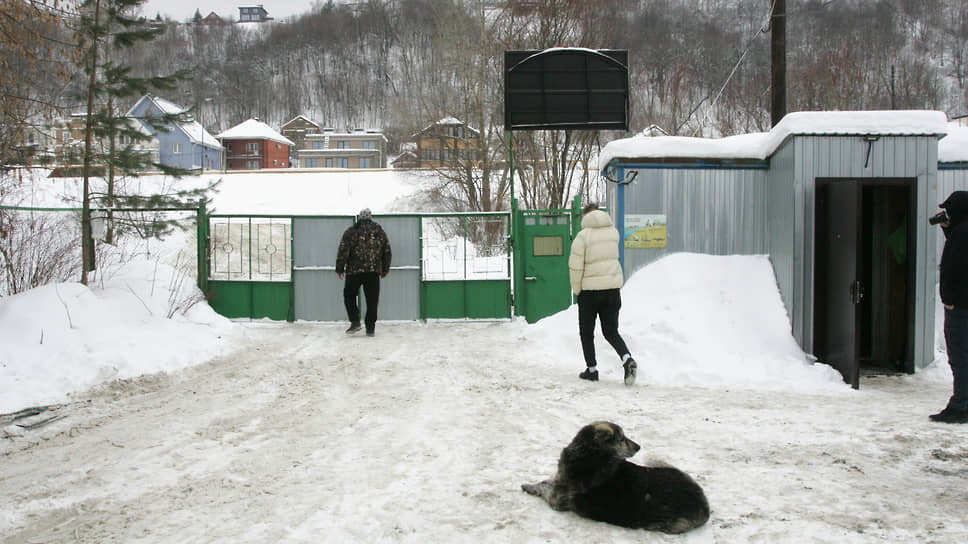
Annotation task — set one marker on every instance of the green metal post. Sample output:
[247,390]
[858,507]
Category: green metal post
[291,314]
[201,228]
[517,291]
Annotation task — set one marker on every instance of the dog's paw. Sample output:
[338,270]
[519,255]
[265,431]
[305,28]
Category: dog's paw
[540,489]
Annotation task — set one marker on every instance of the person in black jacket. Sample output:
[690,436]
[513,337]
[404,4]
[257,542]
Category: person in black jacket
[954,296]
[364,256]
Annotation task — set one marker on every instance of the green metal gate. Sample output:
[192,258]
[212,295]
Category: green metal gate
[256,266]
[542,245]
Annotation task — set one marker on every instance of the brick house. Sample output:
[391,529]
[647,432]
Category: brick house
[211,19]
[254,145]
[331,149]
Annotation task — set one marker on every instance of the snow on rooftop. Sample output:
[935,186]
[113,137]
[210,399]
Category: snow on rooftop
[304,118]
[197,132]
[254,129]
[762,145]
[167,106]
[954,146]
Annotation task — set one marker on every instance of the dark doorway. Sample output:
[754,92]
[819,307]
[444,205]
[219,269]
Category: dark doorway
[864,268]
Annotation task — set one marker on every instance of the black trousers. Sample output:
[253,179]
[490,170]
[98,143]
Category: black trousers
[370,282]
[956,340]
[603,305]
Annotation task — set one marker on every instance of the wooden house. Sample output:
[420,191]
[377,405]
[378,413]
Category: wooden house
[446,143]
[182,144]
[296,130]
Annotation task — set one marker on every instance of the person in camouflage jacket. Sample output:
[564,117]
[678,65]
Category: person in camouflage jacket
[364,257]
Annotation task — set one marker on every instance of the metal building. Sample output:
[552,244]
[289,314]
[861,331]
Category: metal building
[839,201]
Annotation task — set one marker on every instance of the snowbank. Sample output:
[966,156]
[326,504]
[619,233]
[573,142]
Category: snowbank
[704,320]
[689,319]
[62,338]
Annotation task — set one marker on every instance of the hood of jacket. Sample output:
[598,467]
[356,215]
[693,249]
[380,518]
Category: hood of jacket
[596,219]
[957,207]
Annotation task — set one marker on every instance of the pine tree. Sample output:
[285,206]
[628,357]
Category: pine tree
[112,141]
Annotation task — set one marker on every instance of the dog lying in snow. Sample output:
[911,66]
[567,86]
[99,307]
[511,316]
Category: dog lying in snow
[595,481]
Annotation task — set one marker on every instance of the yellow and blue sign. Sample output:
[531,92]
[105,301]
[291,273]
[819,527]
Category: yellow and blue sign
[645,231]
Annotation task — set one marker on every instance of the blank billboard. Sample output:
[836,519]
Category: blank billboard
[566,89]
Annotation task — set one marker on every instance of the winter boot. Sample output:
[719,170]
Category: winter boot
[950,415]
[630,369]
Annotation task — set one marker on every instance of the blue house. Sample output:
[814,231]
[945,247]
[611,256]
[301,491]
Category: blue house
[185,145]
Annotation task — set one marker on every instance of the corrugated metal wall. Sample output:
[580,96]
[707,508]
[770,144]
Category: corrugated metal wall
[949,180]
[794,169]
[400,290]
[319,293]
[725,211]
[714,211]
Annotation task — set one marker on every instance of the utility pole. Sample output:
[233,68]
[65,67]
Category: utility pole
[777,61]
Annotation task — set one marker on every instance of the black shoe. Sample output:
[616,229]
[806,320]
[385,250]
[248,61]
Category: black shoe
[370,333]
[630,368]
[590,375]
[950,416]
[354,327]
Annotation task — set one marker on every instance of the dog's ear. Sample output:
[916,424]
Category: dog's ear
[606,432]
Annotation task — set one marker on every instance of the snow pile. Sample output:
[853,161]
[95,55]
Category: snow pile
[692,319]
[62,338]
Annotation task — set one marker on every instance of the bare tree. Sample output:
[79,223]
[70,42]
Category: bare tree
[36,61]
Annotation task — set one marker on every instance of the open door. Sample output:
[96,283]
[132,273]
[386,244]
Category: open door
[837,289]
[863,320]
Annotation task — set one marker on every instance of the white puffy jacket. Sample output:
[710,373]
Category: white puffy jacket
[593,264]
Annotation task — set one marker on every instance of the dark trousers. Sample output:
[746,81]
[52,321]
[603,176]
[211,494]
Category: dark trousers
[370,281]
[603,305]
[956,340]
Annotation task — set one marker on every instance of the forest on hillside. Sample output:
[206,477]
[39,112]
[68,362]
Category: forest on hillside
[698,67]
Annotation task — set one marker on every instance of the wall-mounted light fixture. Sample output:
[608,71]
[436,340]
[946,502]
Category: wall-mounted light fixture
[870,145]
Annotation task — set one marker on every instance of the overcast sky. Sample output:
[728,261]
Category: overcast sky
[182,10]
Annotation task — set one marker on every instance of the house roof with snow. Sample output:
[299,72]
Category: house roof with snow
[448,122]
[954,146]
[253,129]
[760,146]
[192,129]
[302,118]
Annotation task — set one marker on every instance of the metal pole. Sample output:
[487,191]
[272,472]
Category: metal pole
[620,217]
[511,161]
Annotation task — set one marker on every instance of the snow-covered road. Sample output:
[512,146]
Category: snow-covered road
[426,432]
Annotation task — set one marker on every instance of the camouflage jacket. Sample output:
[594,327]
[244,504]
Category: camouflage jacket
[363,248]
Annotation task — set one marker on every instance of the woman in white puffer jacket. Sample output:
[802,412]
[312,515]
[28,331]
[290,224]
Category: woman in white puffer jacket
[596,277]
